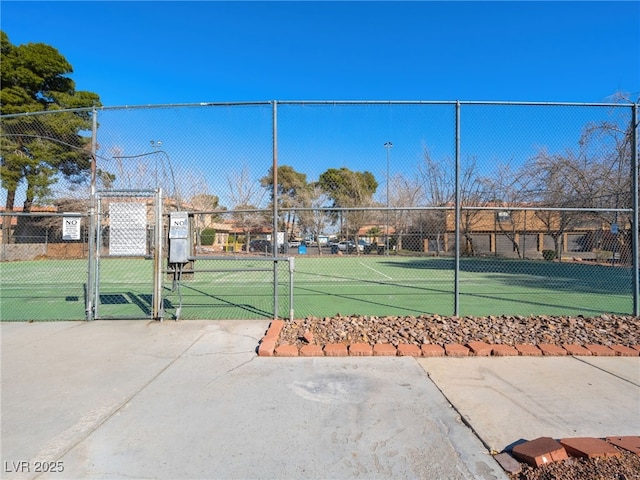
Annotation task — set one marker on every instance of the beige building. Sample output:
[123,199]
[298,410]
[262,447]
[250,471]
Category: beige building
[514,233]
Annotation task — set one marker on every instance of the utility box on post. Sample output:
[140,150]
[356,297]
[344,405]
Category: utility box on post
[179,237]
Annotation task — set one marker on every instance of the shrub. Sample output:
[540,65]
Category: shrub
[207,236]
[604,255]
[549,255]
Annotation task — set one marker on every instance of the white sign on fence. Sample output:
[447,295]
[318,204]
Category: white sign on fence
[71,227]
[127,229]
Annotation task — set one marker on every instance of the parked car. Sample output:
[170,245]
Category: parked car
[258,246]
[347,246]
[365,246]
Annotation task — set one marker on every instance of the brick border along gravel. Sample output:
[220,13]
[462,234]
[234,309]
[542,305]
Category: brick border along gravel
[436,336]
[545,457]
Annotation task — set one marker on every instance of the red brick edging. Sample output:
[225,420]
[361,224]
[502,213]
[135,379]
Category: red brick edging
[267,348]
[545,450]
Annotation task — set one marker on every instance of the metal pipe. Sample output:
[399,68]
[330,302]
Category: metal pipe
[456,287]
[318,102]
[126,193]
[292,266]
[215,270]
[550,209]
[96,284]
[423,208]
[274,239]
[157,312]
[445,102]
[388,146]
[89,306]
[252,258]
[634,224]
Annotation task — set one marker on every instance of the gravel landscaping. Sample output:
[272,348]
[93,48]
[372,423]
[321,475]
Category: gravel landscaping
[624,467]
[435,329]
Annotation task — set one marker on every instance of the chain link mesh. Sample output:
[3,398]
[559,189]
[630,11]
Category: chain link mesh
[366,202]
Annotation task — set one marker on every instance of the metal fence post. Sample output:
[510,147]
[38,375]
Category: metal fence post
[158,310]
[292,267]
[274,239]
[456,287]
[634,225]
[90,313]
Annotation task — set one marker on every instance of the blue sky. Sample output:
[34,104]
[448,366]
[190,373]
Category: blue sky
[169,52]
[162,52]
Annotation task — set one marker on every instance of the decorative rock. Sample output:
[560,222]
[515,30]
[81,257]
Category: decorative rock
[308,336]
[620,333]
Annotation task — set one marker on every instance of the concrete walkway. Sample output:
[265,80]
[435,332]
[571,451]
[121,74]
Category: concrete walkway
[508,399]
[192,400]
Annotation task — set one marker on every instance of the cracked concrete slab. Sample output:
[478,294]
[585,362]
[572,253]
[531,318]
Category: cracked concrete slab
[193,400]
[506,399]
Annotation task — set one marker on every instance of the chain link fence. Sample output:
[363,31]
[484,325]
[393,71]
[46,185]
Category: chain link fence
[382,208]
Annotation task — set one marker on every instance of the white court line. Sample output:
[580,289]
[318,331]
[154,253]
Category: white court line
[378,272]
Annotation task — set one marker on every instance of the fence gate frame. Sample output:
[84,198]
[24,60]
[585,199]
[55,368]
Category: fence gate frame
[154,251]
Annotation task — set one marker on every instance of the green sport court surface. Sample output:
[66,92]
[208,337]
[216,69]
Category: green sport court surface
[45,290]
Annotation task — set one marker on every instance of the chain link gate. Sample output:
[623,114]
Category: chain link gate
[125,267]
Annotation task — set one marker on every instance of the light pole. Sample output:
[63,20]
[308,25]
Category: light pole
[388,146]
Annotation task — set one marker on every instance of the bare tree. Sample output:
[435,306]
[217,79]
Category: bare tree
[473,193]
[609,145]
[597,174]
[405,193]
[439,184]
[559,181]
[316,220]
[246,197]
[506,188]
